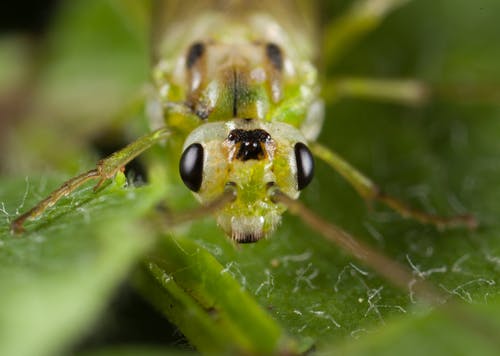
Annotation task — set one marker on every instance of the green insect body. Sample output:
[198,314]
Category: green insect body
[243,102]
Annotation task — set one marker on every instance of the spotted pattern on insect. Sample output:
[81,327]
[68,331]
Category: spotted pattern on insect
[275,56]
[195,53]
[210,62]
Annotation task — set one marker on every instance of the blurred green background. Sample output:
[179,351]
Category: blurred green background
[79,282]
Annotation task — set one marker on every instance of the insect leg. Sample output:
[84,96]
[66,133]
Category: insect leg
[360,19]
[106,169]
[109,166]
[394,272]
[411,92]
[402,91]
[370,191]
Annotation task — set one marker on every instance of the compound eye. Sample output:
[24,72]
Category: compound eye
[305,165]
[191,166]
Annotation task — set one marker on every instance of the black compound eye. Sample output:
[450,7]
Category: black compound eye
[191,166]
[305,165]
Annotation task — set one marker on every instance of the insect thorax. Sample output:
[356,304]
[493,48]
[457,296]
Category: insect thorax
[249,68]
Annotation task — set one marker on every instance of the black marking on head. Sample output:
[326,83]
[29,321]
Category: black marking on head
[239,90]
[305,165]
[195,52]
[191,166]
[250,143]
[275,56]
[235,92]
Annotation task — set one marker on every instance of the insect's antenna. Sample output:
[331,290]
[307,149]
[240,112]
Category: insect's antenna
[229,195]
[394,272]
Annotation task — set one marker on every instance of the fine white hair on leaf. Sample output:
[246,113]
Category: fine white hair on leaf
[214,249]
[25,196]
[457,266]
[321,314]
[296,258]
[233,269]
[4,211]
[268,283]
[423,274]
[493,259]
[358,269]
[182,249]
[355,271]
[373,297]
[302,328]
[305,276]
[356,334]
[462,291]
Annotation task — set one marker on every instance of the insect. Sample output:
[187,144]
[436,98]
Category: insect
[238,101]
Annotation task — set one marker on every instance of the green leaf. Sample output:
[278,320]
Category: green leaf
[138,350]
[434,334]
[204,300]
[442,157]
[57,277]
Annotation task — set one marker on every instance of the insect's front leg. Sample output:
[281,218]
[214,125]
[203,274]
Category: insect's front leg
[106,169]
[371,191]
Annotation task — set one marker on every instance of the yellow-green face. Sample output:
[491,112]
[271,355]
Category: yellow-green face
[253,156]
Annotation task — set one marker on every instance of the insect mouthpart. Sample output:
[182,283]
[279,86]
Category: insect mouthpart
[246,221]
[247,229]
